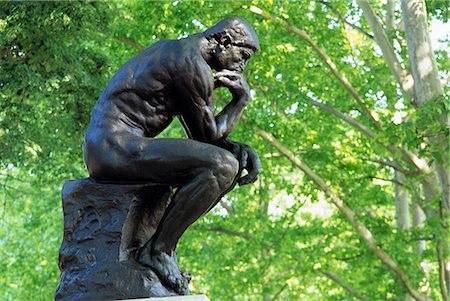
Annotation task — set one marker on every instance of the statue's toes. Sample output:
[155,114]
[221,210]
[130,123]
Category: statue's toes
[183,286]
[167,269]
[179,284]
[187,276]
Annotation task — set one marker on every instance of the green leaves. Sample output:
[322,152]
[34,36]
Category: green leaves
[273,240]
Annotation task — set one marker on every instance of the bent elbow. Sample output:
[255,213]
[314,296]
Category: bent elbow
[221,133]
[212,137]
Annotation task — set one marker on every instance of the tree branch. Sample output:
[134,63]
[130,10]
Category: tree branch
[127,41]
[277,294]
[364,232]
[344,285]
[5,184]
[340,17]
[227,207]
[382,179]
[441,262]
[422,238]
[244,235]
[420,164]
[361,229]
[397,166]
[404,78]
[390,15]
[347,259]
[409,157]
[445,81]
[303,35]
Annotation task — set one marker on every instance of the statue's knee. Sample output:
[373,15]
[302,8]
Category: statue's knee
[233,165]
[226,170]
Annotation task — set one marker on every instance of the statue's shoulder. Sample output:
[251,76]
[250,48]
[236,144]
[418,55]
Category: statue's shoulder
[163,50]
[185,62]
[169,55]
[176,61]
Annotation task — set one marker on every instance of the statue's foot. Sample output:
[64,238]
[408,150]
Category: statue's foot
[166,267]
[186,275]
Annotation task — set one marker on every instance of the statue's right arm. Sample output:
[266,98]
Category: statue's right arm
[198,112]
[200,123]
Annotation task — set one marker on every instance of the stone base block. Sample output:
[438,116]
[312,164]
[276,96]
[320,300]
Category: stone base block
[104,226]
[178,298]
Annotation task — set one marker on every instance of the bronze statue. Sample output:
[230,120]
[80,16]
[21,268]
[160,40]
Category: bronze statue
[175,78]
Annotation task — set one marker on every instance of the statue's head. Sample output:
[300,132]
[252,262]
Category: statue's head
[233,42]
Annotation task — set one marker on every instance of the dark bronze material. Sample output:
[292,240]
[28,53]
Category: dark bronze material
[175,78]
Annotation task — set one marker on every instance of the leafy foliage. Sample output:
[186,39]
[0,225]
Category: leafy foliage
[276,239]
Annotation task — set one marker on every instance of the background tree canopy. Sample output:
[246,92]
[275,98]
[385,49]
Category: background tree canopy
[349,114]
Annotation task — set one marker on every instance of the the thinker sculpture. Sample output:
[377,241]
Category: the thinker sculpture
[175,78]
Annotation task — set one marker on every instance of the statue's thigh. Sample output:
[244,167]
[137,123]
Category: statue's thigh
[173,161]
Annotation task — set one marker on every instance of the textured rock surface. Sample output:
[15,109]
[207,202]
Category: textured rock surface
[104,226]
[178,298]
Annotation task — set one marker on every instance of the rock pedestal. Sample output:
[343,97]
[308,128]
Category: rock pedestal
[179,298]
[104,226]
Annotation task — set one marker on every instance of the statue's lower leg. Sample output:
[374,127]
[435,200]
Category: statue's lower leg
[167,269]
[189,203]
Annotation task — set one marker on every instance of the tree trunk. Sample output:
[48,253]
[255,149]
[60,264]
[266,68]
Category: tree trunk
[390,13]
[401,203]
[348,288]
[360,228]
[427,87]
[402,209]
[421,57]
[418,222]
[403,78]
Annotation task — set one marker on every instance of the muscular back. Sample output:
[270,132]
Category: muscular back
[141,100]
[146,93]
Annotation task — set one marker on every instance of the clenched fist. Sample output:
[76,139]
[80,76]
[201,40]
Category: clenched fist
[234,81]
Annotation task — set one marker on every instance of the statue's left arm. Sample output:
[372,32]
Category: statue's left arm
[197,110]
[248,158]
[197,116]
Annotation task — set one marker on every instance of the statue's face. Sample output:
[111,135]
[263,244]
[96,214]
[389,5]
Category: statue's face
[232,57]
